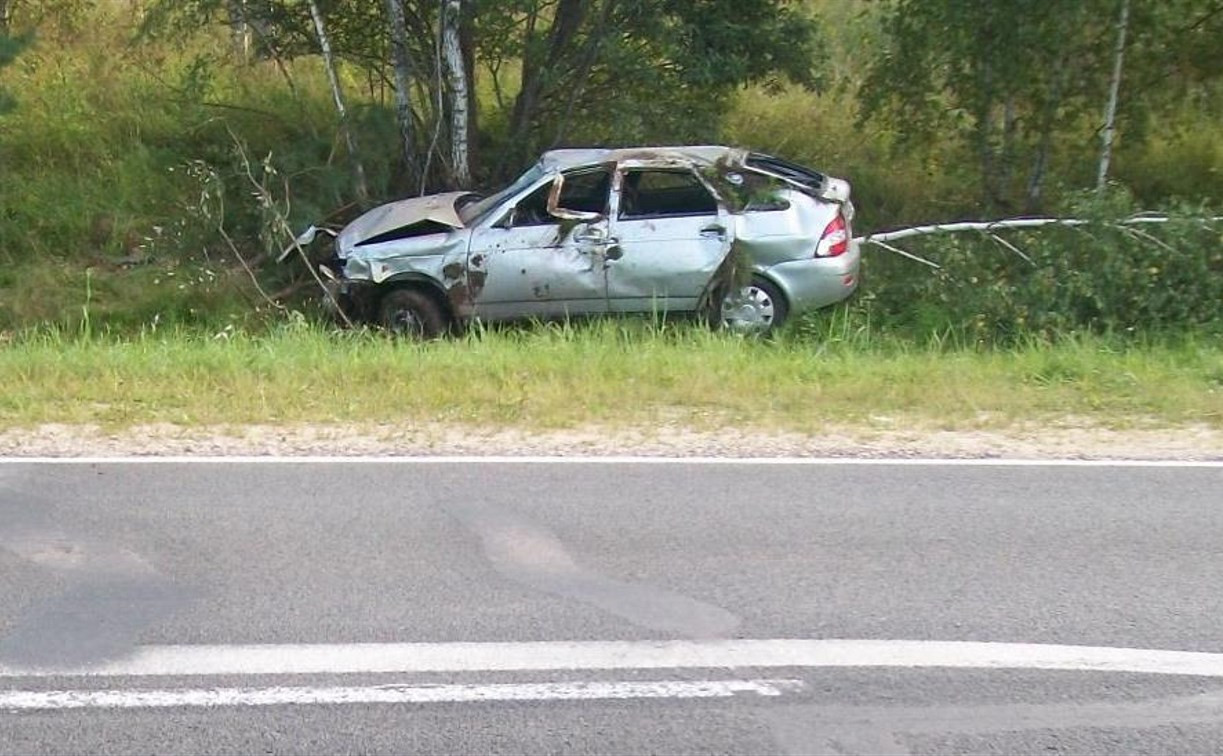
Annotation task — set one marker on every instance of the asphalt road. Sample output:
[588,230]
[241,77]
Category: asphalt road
[318,606]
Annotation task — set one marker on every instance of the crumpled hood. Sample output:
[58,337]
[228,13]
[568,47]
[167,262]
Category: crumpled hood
[436,208]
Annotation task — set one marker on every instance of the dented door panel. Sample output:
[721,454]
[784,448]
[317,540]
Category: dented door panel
[667,254]
[666,264]
[539,271]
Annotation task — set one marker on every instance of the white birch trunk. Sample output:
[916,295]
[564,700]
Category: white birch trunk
[1114,89]
[402,64]
[240,30]
[456,72]
[333,78]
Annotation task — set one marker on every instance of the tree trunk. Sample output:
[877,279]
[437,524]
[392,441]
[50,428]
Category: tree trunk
[566,22]
[1040,166]
[456,73]
[333,78]
[402,62]
[240,30]
[599,32]
[467,39]
[1114,89]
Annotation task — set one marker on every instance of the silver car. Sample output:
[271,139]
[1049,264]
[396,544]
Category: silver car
[741,238]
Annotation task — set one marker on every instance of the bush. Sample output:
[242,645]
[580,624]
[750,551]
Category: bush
[1104,277]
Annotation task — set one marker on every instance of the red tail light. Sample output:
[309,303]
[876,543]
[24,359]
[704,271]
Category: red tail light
[835,239]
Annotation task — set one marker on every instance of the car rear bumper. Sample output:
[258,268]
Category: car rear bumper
[818,281]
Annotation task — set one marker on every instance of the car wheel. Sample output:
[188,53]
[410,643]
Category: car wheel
[757,308]
[412,313]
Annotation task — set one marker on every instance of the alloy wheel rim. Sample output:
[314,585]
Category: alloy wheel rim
[751,309]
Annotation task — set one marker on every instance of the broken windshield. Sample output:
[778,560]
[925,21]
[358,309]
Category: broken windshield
[475,212]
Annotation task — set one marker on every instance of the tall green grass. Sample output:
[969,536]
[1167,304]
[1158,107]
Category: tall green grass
[606,372]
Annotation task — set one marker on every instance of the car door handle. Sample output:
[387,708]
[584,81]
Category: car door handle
[593,235]
[718,232]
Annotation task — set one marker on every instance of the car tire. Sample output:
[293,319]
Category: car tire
[758,309]
[412,313]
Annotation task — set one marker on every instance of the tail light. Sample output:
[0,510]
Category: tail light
[835,239]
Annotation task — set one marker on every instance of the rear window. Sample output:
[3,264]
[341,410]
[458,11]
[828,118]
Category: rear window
[787,170]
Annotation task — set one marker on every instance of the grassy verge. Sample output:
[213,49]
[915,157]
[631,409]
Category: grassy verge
[615,373]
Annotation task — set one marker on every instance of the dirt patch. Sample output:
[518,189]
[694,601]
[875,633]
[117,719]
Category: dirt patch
[1081,441]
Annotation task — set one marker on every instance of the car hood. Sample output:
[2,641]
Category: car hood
[403,219]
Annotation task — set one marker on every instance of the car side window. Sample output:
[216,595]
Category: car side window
[584,190]
[532,210]
[664,194]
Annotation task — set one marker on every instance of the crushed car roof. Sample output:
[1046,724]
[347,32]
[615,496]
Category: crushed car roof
[559,160]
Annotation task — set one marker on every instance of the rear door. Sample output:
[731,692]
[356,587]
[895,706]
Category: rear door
[669,235]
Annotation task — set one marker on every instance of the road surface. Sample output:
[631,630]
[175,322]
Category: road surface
[466,605]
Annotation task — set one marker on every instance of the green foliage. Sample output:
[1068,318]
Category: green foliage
[1101,278]
[10,47]
[1006,78]
[127,160]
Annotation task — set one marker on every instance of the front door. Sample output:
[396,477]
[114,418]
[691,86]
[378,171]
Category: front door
[535,265]
[670,235]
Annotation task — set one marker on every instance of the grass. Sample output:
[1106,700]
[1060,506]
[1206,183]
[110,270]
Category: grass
[613,373]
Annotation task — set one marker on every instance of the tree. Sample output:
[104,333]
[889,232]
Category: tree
[583,70]
[634,70]
[458,81]
[1003,77]
[337,94]
[401,63]
[10,47]
[1114,90]
[1022,82]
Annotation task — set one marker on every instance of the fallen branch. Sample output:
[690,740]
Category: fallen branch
[281,225]
[989,228]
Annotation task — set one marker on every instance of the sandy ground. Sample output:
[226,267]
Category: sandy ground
[1070,440]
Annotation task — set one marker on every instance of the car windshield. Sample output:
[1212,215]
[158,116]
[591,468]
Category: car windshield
[475,212]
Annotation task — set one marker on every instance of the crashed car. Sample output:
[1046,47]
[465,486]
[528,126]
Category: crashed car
[742,238]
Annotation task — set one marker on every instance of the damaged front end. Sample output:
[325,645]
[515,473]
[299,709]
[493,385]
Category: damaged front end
[420,241]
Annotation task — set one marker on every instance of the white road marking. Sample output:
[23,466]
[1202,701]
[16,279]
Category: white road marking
[611,460]
[42,700]
[637,655]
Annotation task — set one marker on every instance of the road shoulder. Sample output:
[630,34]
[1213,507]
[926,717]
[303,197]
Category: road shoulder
[1072,440]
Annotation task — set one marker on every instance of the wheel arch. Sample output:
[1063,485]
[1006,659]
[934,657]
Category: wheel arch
[776,283]
[420,282]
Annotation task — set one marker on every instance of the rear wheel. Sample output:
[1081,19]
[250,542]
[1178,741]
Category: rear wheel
[757,308]
[412,313]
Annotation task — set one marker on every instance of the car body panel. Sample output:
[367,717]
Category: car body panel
[539,271]
[663,263]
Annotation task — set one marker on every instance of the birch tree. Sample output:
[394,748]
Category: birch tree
[337,94]
[1114,88]
[239,29]
[1007,81]
[456,70]
[401,62]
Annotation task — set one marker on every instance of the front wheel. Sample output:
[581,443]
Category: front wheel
[758,308]
[412,313]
